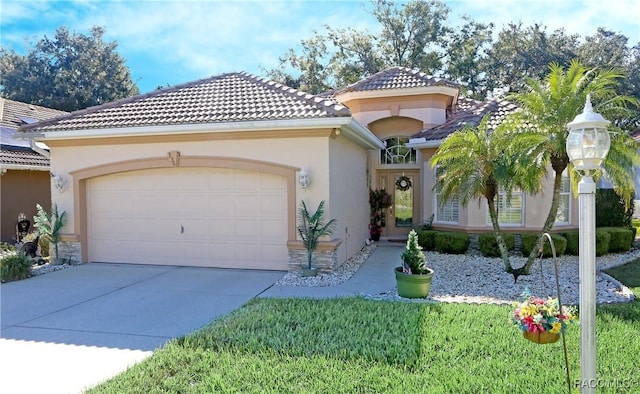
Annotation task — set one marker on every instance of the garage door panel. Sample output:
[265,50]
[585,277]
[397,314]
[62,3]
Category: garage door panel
[272,230]
[247,205]
[271,205]
[218,206]
[189,216]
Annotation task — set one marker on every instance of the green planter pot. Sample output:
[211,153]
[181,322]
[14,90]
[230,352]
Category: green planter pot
[306,272]
[57,260]
[413,286]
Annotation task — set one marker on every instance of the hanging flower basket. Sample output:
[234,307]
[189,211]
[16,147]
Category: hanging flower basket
[541,338]
[542,321]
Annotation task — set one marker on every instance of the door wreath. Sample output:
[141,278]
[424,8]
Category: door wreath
[403,183]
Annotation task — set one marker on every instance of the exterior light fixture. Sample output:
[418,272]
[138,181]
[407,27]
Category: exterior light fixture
[588,141]
[60,183]
[587,145]
[304,179]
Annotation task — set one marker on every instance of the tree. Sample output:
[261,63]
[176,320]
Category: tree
[548,105]
[471,164]
[411,35]
[522,52]
[68,72]
[466,57]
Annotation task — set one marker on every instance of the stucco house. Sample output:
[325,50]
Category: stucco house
[208,173]
[24,168]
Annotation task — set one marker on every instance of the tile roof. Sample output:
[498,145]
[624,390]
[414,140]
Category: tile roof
[232,97]
[16,152]
[396,78]
[14,114]
[15,156]
[469,112]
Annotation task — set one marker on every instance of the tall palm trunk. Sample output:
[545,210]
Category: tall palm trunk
[504,253]
[551,219]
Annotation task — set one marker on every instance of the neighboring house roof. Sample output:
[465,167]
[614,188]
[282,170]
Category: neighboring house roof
[469,112]
[14,114]
[232,97]
[396,78]
[16,153]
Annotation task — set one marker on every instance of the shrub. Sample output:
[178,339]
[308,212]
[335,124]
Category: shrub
[610,209]
[450,242]
[621,238]
[15,266]
[529,242]
[602,242]
[489,245]
[6,247]
[603,239]
[426,239]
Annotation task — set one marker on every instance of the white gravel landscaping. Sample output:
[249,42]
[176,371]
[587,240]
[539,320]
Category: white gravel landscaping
[471,278]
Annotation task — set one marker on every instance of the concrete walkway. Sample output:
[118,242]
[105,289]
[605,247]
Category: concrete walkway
[373,277]
[69,330]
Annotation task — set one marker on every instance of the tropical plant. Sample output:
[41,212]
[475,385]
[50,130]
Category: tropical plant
[472,164]
[547,107]
[311,227]
[413,259]
[49,226]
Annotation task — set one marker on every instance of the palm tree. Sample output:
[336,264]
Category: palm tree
[311,227]
[546,108]
[472,164]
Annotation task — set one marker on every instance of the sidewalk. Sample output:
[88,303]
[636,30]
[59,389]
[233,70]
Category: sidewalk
[374,276]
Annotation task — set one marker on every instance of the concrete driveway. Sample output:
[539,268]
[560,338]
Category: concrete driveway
[68,330]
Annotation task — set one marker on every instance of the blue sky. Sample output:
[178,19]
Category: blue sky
[172,42]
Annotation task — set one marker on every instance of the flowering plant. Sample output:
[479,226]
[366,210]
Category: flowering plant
[537,315]
[378,200]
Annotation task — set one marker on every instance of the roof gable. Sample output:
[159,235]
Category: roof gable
[232,97]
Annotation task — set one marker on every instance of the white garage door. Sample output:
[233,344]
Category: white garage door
[207,217]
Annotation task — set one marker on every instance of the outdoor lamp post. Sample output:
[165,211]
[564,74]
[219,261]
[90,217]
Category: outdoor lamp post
[587,146]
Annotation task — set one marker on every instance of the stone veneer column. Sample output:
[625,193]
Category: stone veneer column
[325,257]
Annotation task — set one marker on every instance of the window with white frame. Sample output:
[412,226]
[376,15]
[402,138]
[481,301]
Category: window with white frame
[448,212]
[397,152]
[565,199]
[510,212]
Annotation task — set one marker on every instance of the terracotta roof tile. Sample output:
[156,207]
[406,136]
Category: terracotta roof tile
[15,151]
[470,112]
[14,114]
[396,78]
[22,157]
[232,97]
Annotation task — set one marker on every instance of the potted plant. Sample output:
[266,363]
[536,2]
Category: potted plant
[379,200]
[542,321]
[49,227]
[311,227]
[413,277]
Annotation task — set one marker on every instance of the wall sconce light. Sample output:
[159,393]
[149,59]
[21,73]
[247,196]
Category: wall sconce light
[60,183]
[304,179]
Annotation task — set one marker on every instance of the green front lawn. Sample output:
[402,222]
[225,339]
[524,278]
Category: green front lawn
[365,346]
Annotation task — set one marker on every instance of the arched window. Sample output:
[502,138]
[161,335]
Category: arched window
[396,151]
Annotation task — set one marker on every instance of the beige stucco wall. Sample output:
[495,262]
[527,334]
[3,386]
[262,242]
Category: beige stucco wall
[473,217]
[349,195]
[429,109]
[331,160]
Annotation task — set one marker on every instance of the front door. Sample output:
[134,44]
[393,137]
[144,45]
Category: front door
[402,215]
